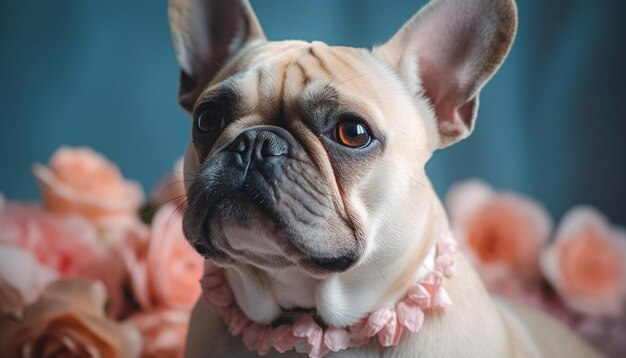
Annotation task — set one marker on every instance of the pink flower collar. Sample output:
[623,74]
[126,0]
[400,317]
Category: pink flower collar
[388,324]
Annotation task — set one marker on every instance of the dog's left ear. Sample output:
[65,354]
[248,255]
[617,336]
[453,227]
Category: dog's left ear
[447,52]
[206,34]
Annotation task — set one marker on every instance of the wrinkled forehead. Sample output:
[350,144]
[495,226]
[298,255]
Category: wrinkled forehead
[297,76]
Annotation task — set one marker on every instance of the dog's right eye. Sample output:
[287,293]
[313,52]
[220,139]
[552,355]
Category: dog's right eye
[210,120]
[352,133]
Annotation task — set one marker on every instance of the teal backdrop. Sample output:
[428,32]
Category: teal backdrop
[551,124]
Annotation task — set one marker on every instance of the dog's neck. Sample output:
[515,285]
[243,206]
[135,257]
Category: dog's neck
[343,299]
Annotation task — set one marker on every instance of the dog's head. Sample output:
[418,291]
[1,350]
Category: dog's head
[301,151]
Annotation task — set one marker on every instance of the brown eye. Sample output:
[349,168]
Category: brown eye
[210,120]
[353,134]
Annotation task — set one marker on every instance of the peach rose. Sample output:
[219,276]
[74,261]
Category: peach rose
[586,263]
[171,189]
[163,332]
[163,268]
[22,279]
[68,320]
[503,233]
[69,245]
[79,180]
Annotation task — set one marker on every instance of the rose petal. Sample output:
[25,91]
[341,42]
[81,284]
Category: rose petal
[211,281]
[410,315]
[173,265]
[336,339]
[376,321]
[442,299]
[219,297]
[307,328]
[237,321]
[391,333]
[253,335]
[419,294]
[431,283]
[20,270]
[265,344]
[463,199]
[283,339]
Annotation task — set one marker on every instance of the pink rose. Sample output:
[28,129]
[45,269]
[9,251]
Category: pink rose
[68,320]
[586,263]
[171,189]
[503,233]
[163,332]
[79,180]
[22,279]
[163,268]
[69,245]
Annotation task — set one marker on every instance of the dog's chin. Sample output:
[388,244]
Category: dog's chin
[263,245]
[242,231]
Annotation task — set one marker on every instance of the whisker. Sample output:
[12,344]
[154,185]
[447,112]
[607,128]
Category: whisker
[176,183]
[175,211]
[349,79]
[370,259]
[182,172]
[176,200]
[330,81]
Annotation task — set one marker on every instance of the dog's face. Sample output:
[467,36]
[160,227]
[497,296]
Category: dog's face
[300,151]
[293,148]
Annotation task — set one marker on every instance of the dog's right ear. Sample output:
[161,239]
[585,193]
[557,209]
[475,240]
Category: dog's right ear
[206,35]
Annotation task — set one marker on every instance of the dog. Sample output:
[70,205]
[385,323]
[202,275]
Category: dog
[306,183]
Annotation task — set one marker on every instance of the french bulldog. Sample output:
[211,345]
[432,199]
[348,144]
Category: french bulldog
[306,181]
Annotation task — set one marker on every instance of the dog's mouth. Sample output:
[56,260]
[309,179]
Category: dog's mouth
[272,212]
[245,227]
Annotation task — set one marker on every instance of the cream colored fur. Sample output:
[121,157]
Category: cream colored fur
[394,200]
[476,325]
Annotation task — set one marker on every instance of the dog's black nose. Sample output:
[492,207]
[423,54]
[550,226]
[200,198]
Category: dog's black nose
[335,264]
[260,144]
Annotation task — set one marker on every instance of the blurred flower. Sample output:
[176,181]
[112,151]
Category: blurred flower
[79,180]
[68,320]
[163,268]
[171,189]
[537,298]
[606,333]
[503,233]
[586,263]
[163,332]
[22,279]
[69,245]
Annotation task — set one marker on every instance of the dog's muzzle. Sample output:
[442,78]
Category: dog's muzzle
[264,176]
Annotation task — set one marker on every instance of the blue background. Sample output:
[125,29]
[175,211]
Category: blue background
[103,74]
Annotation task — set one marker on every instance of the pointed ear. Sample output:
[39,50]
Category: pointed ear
[447,52]
[206,35]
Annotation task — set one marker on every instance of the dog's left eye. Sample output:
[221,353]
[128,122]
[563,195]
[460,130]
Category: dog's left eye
[210,119]
[352,133]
